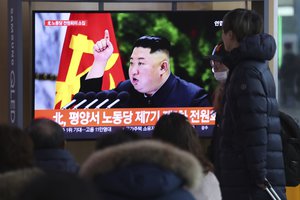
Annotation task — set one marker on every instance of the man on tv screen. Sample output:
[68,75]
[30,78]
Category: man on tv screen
[151,83]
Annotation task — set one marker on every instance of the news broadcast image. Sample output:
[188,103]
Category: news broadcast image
[63,52]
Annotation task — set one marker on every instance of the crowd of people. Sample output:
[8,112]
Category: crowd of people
[246,145]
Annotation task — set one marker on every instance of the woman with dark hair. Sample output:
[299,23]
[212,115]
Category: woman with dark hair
[220,72]
[250,147]
[175,128]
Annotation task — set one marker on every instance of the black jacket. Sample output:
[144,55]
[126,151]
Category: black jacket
[57,160]
[250,147]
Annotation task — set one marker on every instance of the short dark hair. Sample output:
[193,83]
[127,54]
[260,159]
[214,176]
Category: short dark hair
[242,23]
[155,43]
[46,134]
[119,136]
[16,148]
[175,128]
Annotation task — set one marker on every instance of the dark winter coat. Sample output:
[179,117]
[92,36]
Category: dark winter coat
[143,170]
[250,147]
[59,160]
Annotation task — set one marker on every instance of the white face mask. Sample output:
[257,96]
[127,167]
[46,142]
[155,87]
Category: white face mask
[221,76]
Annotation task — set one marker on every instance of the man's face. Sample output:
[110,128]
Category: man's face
[145,70]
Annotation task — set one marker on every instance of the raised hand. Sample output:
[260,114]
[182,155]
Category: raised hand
[103,49]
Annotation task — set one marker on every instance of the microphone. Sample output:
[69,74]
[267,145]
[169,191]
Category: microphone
[122,97]
[89,96]
[110,97]
[77,97]
[100,96]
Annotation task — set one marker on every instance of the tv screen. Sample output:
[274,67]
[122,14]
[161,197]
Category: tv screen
[63,56]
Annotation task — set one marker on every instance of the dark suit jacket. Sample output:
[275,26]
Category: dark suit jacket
[175,92]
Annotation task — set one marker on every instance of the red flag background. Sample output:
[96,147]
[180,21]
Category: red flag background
[77,56]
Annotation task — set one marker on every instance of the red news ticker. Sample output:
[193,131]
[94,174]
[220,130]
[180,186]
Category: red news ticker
[65,22]
[124,116]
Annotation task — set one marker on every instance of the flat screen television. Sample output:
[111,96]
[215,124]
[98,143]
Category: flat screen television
[63,52]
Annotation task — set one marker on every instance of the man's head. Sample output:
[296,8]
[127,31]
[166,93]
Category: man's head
[117,137]
[238,24]
[46,134]
[149,64]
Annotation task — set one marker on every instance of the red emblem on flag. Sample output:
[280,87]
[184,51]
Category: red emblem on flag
[77,56]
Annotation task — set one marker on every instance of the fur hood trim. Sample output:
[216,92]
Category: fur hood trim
[182,163]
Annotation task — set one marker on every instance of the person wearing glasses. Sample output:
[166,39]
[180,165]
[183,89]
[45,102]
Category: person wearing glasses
[249,146]
[220,72]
